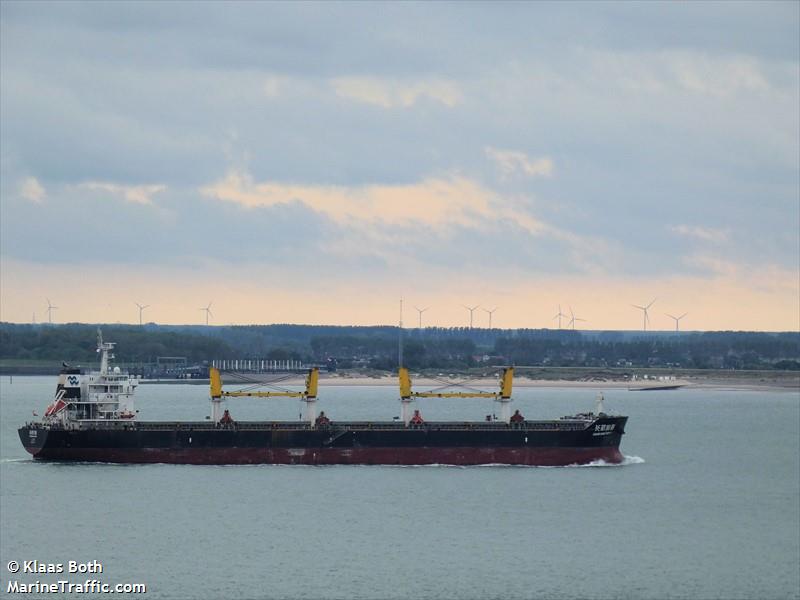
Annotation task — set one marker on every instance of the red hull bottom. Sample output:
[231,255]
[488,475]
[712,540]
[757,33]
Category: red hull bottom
[549,457]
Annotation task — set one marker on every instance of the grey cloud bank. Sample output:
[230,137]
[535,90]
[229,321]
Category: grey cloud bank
[641,119]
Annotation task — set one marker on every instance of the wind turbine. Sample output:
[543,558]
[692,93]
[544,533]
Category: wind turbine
[645,317]
[50,309]
[676,319]
[573,319]
[208,311]
[420,311]
[471,310]
[490,313]
[558,316]
[142,307]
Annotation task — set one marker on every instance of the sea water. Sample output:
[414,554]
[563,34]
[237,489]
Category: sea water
[707,505]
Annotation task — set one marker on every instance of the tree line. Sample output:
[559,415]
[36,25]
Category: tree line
[77,343]
[430,348]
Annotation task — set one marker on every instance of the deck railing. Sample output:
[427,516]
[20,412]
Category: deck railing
[554,425]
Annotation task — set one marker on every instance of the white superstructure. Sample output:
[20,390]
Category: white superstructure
[104,395]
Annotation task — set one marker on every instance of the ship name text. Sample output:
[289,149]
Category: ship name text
[604,428]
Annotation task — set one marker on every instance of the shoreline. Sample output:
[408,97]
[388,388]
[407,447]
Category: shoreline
[784,384]
[788,382]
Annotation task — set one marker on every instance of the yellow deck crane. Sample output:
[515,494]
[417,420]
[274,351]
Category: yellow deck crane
[309,395]
[503,396]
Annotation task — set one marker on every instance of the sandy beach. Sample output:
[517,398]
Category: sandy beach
[774,383]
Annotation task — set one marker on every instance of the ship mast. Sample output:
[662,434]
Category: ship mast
[105,349]
[405,398]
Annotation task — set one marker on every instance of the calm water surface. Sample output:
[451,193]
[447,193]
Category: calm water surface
[708,506]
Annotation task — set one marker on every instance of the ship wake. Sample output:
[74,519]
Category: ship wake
[627,460]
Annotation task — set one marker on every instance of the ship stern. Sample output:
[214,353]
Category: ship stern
[33,438]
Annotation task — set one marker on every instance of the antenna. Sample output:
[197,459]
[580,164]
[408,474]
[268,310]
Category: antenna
[50,309]
[142,307]
[420,311]
[676,319]
[400,338]
[645,317]
[208,311]
[471,311]
[490,313]
[573,319]
[558,316]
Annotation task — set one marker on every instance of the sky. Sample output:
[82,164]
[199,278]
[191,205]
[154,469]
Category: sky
[317,162]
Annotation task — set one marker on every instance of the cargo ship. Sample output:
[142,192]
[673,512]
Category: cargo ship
[92,418]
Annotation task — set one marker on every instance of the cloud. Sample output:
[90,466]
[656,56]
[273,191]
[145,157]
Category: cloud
[405,138]
[273,86]
[716,76]
[395,93]
[706,234]
[510,162]
[772,279]
[137,194]
[680,71]
[447,220]
[438,202]
[32,190]
[716,266]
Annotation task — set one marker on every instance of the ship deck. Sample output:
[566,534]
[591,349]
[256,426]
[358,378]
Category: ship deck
[544,425]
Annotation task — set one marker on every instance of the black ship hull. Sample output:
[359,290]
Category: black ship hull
[533,443]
